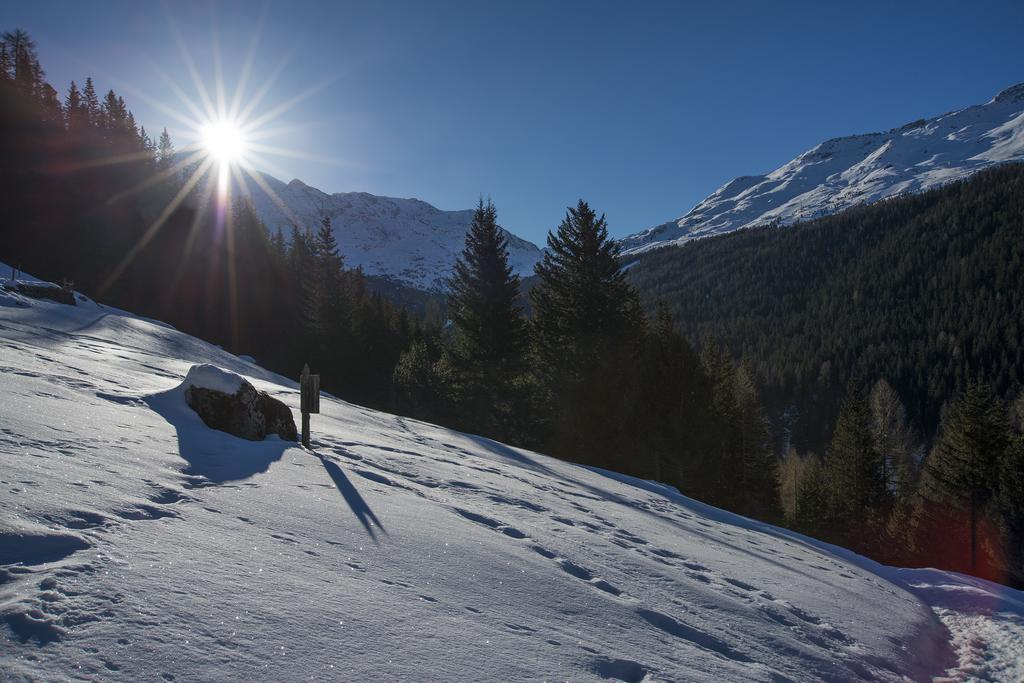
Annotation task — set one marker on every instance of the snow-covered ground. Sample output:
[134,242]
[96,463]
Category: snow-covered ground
[136,544]
[859,169]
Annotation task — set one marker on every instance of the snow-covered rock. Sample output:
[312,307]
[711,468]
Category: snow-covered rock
[405,240]
[228,402]
[157,549]
[859,169]
[206,376]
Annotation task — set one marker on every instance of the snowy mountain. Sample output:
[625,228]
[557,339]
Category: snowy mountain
[859,169]
[137,544]
[406,240]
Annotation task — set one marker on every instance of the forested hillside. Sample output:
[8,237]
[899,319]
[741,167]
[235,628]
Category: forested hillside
[926,291]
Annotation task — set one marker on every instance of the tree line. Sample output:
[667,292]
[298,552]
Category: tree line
[588,376]
[878,489]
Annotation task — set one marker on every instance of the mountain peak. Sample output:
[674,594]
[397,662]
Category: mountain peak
[858,169]
[405,240]
[1015,93]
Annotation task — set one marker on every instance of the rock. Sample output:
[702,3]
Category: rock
[229,403]
[42,290]
[278,417]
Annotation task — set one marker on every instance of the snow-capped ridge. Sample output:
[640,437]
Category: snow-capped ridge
[406,240]
[847,171]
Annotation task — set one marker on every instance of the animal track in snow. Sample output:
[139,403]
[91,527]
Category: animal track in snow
[693,635]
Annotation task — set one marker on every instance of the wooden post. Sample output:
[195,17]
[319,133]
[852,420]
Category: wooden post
[309,392]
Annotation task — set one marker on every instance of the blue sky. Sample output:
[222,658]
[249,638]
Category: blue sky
[642,108]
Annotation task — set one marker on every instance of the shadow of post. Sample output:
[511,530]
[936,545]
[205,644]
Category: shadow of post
[355,501]
[212,454]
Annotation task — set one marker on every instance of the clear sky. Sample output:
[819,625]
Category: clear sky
[642,108]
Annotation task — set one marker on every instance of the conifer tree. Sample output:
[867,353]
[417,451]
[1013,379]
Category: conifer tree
[962,471]
[75,111]
[813,501]
[25,70]
[164,150]
[582,306]
[325,309]
[91,103]
[854,471]
[586,318]
[490,332]
[756,472]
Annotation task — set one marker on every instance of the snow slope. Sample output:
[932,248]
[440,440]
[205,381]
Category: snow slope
[136,544]
[859,169]
[406,240]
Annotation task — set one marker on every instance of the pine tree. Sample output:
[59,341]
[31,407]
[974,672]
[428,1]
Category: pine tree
[585,319]
[147,145]
[756,472]
[114,115]
[813,515]
[49,102]
[92,104]
[25,70]
[164,150]
[582,306]
[962,471]
[75,111]
[325,317]
[854,471]
[490,332]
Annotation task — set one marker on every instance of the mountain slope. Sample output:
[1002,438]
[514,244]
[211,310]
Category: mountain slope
[406,240]
[137,543]
[926,291]
[860,169]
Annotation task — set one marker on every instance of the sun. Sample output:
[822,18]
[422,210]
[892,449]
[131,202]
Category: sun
[224,141]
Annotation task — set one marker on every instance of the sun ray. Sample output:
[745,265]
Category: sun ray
[290,103]
[295,154]
[197,113]
[264,132]
[229,231]
[258,179]
[243,79]
[254,161]
[264,89]
[218,74]
[190,66]
[239,178]
[154,228]
[193,233]
[109,161]
[157,177]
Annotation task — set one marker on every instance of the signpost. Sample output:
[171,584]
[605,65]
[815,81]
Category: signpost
[310,399]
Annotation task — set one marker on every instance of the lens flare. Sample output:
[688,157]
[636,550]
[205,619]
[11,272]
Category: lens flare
[224,141]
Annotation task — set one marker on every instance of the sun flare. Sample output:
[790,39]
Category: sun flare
[224,141]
